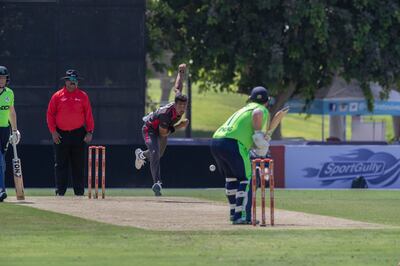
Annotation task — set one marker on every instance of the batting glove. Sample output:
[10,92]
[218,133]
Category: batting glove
[260,153]
[15,136]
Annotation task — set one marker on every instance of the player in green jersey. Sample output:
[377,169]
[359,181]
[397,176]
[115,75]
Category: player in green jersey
[231,145]
[7,117]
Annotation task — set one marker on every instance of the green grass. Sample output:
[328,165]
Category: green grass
[211,109]
[34,237]
[376,206]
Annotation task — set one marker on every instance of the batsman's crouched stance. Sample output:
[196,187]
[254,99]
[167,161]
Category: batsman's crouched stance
[231,146]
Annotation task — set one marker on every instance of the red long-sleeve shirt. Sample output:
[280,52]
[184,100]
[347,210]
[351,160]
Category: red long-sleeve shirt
[69,111]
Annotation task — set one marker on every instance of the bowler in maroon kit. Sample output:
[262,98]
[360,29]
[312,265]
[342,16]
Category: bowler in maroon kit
[158,125]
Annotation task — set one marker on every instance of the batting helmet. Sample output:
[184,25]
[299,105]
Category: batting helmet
[259,95]
[4,72]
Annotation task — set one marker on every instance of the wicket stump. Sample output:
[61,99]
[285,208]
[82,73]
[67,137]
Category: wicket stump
[97,150]
[264,172]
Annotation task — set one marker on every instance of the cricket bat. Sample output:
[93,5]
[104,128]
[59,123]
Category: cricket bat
[276,120]
[17,170]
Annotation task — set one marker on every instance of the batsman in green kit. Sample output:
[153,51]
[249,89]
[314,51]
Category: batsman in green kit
[231,145]
[8,117]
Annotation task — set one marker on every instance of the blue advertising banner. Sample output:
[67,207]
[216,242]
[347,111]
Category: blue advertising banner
[338,166]
[345,107]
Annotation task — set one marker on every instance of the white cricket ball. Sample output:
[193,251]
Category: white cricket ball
[212,168]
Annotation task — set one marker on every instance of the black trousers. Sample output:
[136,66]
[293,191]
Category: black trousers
[5,133]
[69,157]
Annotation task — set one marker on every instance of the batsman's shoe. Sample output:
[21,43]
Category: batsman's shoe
[250,222]
[3,196]
[140,159]
[239,221]
[157,189]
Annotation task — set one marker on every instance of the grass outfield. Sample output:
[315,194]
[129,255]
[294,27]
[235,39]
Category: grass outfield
[34,237]
[211,109]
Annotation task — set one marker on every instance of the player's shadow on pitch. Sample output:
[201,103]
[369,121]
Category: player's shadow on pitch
[21,202]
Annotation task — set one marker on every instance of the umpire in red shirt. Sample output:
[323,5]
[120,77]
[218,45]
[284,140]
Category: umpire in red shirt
[70,121]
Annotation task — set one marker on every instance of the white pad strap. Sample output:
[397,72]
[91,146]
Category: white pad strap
[230,192]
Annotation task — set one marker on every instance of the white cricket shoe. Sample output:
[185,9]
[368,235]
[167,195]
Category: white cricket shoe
[140,159]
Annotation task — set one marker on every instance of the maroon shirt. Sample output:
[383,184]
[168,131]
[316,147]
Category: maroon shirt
[165,117]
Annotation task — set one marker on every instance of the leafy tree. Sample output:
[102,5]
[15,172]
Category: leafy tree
[290,46]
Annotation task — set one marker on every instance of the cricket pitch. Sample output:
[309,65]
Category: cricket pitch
[179,214]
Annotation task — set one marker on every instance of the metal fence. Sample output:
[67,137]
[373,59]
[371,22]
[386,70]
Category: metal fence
[102,39]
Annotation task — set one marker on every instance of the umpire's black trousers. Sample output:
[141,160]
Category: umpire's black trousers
[69,157]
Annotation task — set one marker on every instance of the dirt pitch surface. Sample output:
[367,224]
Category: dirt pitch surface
[178,214]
